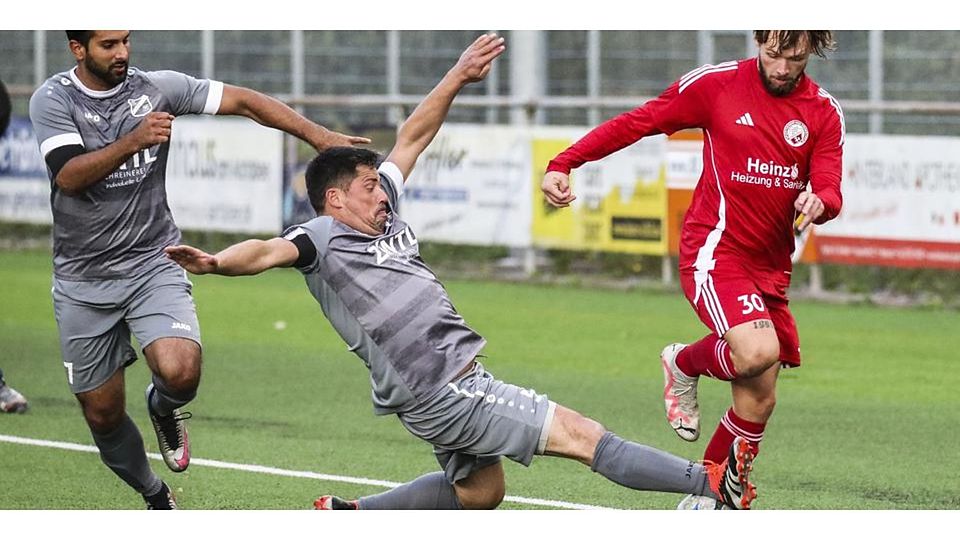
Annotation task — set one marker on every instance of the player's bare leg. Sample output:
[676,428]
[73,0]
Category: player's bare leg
[754,399]
[175,363]
[754,347]
[484,489]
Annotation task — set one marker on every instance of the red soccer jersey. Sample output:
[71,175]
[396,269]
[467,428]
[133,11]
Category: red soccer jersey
[759,152]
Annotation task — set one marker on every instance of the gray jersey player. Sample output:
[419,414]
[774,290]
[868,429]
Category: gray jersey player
[104,130]
[362,264]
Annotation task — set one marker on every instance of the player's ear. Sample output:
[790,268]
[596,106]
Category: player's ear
[77,49]
[333,197]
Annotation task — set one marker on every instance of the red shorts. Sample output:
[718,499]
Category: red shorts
[732,294]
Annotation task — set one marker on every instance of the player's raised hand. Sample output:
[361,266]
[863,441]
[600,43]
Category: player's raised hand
[477,59]
[809,206]
[556,189]
[328,139]
[154,129]
[194,260]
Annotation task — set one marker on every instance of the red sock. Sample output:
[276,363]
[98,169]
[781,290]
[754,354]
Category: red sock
[731,426]
[710,356]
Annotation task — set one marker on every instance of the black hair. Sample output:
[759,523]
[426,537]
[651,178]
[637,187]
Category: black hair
[820,41]
[80,36]
[335,167]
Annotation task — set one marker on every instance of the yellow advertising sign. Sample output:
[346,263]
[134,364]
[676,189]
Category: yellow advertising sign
[621,202]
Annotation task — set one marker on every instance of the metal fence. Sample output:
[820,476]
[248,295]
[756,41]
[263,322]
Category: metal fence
[901,82]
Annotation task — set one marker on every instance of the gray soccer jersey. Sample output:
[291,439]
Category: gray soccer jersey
[388,305]
[120,225]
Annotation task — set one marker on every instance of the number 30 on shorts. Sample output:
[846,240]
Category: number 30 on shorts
[751,303]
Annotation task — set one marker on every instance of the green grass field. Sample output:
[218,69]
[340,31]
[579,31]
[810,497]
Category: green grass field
[869,422]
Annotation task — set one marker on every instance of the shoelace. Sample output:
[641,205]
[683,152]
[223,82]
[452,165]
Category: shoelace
[168,426]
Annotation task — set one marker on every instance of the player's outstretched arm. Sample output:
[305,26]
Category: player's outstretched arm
[273,113]
[244,259]
[425,121]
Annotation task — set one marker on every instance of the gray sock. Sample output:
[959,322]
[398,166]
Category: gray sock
[163,401]
[122,451]
[429,492]
[647,469]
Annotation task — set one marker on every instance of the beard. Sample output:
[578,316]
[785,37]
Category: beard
[106,73]
[786,85]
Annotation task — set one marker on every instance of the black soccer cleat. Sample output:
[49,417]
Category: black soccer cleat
[162,500]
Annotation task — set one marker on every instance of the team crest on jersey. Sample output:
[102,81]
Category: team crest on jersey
[796,133]
[140,106]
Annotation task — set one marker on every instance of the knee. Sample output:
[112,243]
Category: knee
[486,499]
[574,436]
[183,375]
[103,418]
[755,358]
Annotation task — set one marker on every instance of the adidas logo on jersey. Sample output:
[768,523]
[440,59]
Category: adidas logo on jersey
[745,120]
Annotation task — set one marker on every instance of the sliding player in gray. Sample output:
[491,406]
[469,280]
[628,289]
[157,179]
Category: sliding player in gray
[104,130]
[362,264]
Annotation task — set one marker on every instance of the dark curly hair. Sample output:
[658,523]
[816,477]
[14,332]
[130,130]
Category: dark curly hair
[820,41]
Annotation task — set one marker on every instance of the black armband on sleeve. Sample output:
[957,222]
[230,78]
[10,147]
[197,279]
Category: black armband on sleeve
[308,253]
[58,157]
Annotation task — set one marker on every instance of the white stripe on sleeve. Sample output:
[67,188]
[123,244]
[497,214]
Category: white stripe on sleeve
[64,139]
[214,97]
[294,233]
[393,173]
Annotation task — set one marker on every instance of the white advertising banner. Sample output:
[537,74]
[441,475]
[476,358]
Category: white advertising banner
[472,186]
[225,174]
[903,188]
[901,203]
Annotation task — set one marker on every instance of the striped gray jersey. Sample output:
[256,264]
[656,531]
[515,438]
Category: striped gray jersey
[119,225]
[387,304]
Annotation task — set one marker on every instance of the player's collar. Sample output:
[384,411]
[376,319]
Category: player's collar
[98,94]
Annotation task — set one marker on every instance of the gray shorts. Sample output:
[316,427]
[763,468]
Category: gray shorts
[96,318]
[476,419]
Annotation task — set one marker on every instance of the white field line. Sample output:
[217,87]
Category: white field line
[283,472]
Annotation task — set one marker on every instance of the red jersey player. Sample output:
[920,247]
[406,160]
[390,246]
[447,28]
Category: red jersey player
[769,130]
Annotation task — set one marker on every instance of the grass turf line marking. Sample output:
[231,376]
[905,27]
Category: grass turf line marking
[283,472]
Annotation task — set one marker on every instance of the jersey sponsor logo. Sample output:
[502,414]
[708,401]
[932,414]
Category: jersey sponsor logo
[745,120]
[93,117]
[796,133]
[769,174]
[133,171]
[140,106]
[401,246]
[180,326]
[772,168]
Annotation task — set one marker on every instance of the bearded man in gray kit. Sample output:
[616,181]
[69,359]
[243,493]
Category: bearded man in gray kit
[362,264]
[104,131]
